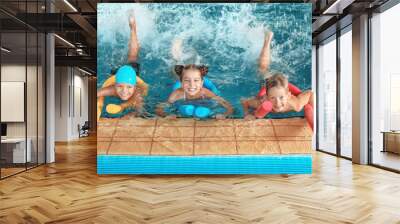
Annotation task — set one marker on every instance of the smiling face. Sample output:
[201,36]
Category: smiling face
[124,91]
[278,96]
[192,82]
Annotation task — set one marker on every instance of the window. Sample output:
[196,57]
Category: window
[22,66]
[327,96]
[385,88]
[346,93]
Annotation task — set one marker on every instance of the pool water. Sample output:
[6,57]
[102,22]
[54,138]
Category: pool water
[226,37]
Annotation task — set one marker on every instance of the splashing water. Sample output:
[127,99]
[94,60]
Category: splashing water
[226,37]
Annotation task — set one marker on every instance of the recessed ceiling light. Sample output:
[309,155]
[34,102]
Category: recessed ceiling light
[5,50]
[64,40]
[84,71]
[70,5]
[337,7]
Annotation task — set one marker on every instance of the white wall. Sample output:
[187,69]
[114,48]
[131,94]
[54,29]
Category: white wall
[71,94]
[15,72]
[80,103]
[33,127]
[12,73]
[61,103]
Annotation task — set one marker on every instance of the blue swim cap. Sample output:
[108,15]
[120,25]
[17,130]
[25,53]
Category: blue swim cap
[126,74]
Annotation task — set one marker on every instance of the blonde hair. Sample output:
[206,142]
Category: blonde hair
[277,80]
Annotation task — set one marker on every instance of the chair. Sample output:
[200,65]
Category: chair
[84,130]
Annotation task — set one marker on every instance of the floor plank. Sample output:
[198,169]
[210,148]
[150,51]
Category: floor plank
[70,191]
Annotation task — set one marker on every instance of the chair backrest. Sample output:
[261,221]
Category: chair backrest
[86,125]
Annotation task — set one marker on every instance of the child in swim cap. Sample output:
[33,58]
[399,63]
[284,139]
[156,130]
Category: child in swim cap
[278,95]
[192,79]
[125,81]
[125,84]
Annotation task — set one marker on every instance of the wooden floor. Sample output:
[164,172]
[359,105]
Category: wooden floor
[70,191]
[386,159]
[10,171]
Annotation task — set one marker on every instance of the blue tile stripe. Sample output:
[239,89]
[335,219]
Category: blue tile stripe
[229,164]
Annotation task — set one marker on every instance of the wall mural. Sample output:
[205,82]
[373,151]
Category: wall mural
[204,88]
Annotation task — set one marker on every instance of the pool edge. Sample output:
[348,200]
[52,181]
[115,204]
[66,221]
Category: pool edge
[221,164]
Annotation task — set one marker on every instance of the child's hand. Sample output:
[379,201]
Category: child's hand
[171,117]
[160,111]
[138,98]
[220,117]
[249,117]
